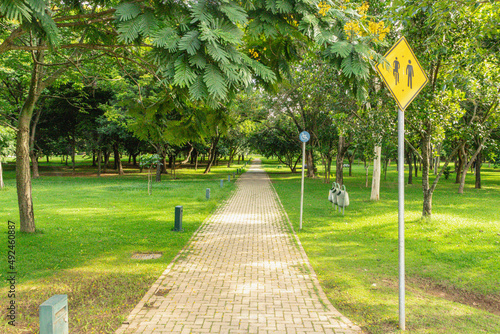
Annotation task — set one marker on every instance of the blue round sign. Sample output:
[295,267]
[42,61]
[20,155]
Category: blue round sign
[304,136]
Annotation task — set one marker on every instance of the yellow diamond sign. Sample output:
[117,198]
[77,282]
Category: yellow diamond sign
[404,76]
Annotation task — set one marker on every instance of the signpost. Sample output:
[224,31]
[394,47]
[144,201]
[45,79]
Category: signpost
[304,138]
[405,78]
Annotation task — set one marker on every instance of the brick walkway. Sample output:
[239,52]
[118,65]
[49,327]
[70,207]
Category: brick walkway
[242,272]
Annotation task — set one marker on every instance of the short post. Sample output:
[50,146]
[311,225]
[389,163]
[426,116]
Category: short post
[234,175]
[208,193]
[54,315]
[229,178]
[178,219]
[221,183]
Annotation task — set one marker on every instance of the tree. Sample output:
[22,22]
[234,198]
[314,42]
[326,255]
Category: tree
[38,28]
[195,47]
[440,32]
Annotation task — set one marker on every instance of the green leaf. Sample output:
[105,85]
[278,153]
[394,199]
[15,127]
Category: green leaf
[199,12]
[215,81]
[148,22]
[166,38]
[190,42]
[184,75]
[127,11]
[284,6]
[15,10]
[129,30]
[198,60]
[261,70]
[234,12]
[198,90]
[217,53]
[360,68]
[342,48]
[346,66]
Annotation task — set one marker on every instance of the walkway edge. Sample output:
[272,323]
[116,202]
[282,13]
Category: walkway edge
[161,278]
[319,290]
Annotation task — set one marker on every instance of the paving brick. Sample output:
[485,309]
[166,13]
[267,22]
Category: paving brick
[240,273]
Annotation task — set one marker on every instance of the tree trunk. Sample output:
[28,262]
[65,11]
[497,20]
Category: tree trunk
[161,164]
[339,172]
[118,160]
[2,185]
[212,154]
[196,161]
[375,195]
[459,167]
[466,168]
[134,159]
[479,162]
[94,162]
[427,205]
[310,163]
[329,167]
[426,187]
[158,173]
[106,160]
[73,154]
[33,153]
[438,159]
[415,158]
[34,164]
[23,177]
[99,161]
[409,158]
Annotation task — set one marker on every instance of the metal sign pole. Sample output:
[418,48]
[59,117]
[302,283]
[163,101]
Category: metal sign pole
[401,214]
[302,189]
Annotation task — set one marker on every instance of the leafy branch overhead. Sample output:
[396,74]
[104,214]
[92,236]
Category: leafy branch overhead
[212,49]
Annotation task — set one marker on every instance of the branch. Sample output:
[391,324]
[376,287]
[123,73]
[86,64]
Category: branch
[9,125]
[414,150]
[70,46]
[8,41]
[448,159]
[82,23]
[84,16]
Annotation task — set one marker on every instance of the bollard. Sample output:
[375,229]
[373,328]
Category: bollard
[208,193]
[234,175]
[229,178]
[221,183]
[54,315]
[178,219]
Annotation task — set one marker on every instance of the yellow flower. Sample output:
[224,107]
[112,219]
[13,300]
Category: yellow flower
[254,54]
[323,8]
[352,29]
[363,9]
[378,29]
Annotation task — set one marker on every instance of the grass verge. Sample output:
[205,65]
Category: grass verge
[88,228]
[452,267]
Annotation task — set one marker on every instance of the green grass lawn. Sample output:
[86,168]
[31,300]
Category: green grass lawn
[452,262]
[88,229]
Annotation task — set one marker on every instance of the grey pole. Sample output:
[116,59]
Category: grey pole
[302,189]
[208,193]
[221,183]
[401,214]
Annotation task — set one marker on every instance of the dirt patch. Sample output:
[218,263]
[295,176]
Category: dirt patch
[489,303]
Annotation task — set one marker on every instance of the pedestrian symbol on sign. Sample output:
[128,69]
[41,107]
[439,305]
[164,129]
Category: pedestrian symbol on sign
[395,71]
[409,73]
